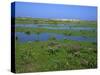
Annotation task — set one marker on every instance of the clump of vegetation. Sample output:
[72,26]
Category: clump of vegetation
[42,46]
[95,50]
[65,33]
[16,38]
[92,64]
[28,32]
[59,65]
[26,56]
[38,32]
[94,43]
[53,47]
[52,43]
[75,49]
[93,30]
[52,38]
[84,62]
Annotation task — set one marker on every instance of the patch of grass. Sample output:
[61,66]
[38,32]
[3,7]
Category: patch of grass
[34,56]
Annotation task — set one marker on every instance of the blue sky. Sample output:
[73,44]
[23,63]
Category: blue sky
[55,11]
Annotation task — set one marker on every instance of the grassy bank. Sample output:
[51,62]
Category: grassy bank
[67,55]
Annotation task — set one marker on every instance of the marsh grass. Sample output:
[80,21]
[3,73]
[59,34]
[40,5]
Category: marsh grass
[34,56]
[67,33]
[53,55]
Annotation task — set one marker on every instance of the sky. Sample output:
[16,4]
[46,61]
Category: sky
[55,11]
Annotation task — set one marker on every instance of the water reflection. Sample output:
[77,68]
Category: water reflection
[23,37]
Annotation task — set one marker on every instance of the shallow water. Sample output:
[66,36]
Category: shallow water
[56,27]
[23,37]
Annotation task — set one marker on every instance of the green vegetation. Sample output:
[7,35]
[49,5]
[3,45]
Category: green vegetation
[16,38]
[55,55]
[28,32]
